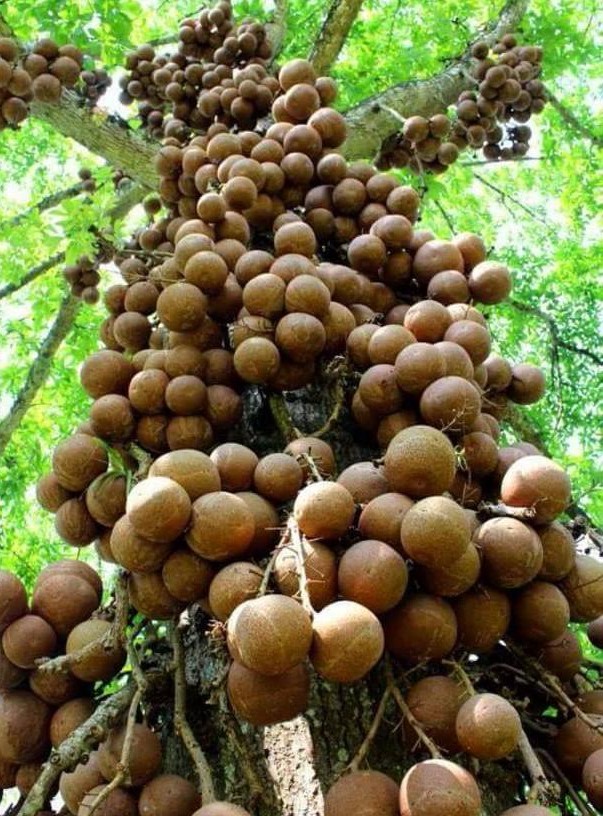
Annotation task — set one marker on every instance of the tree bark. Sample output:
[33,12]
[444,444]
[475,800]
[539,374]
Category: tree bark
[377,118]
[335,29]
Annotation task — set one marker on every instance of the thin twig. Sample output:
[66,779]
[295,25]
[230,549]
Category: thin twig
[362,752]
[46,203]
[263,588]
[181,724]
[570,119]
[333,419]
[504,196]
[407,713]
[581,806]
[542,791]
[298,542]
[282,417]
[505,510]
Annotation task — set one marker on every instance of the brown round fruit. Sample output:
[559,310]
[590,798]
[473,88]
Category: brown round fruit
[483,616]
[488,727]
[511,552]
[262,700]
[24,727]
[28,639]
[168,793]
[373,574]
[419,462]
[324,510]
[145,754]
[421,628]
[13,599]
[435,702]
[365,793]
[538,483]
[159,509]
[437,787]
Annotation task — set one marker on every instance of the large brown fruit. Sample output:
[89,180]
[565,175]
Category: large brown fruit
[364,480]
[483,616]
[24,727]
[435,532]
[222,526]
[186,576]
[320,564]
[159,509]
[435,702]
[511,552]
[595,632]
[28,639]
[78,461]
[538,483]
[75,785]
[98,663]
[592,778]
[527,384]
[436,256]
[134,552]
[382,518]
[562,656]
[118,803]
[421,628]
[262,700]
[70,566]
[13,599]
[168,794]
[191,469]
[50,493]
[68,717]
[145,754]
[319,450]
[236,465]
[270,634]
[149,596]
[233,585]
[11,676]
[420,462]
[373,574]
[437,787]
[55,688]
[348,641]
[363,793]
[454,579]
[418,365]
[559,551]
[74,523]
[540,613]
[278,477]
[488,727]
[583,588]
[324,510]
[106,499]
[575,742]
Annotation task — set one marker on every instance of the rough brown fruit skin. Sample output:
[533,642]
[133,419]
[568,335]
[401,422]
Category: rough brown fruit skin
[98,664]
[24,724]
[262,700]
[168,794]
[159,509]
[186,576]
[232,585]
[270,634]
[453,579]
[150,597]
[73,786]
[118,803]
[278,477]
[348,641]
[575,742]
[583,588]
[28,639]
[435,702]
[373,574]
[511,552]
[222,526]
[74,524]
[488,727]
[106,499]
[452,403]
[55,688]
[236,465]
[595,632]
[324,510]
[539,483]
[592,778]
[134,552]
[421,628]
[13,599]
[68,717]
[192,469]
[145,756]
[11,676]
[78,461]
[382,517]
[420,462]
[321,573]
[72,567]
[562,656]
[437,787]
[435,532]
[320,451]
[483,616]
[50,494]
[559,551]
[527,384]
[540,613]
[364,480]
[362,793]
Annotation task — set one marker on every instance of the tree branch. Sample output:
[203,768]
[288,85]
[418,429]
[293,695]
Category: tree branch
[333,33]
[40,369]
[277,29]
[46,203]
[572,120]
[107,136]
[370,124]
[33,273]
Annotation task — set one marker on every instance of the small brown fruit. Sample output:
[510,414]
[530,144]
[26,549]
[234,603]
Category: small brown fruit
[488,727]
[324,510]
[262,700]
[437,787]
[369,793]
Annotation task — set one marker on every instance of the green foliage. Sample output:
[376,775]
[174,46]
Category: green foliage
[541,217]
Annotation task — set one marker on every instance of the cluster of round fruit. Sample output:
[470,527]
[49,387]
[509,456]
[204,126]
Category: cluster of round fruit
[38,74]
[219,72]
[95,81]
[83,278]
[509,91]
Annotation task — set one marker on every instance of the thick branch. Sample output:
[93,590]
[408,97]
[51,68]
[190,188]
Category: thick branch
[33,273]
[571,120]
[335,28]
[46,203]
[370,123]
[277,29]
[81,741]
[40,368]
[109,137]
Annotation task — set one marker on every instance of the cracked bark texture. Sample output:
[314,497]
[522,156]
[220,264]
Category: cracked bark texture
[333,33]
[285,769]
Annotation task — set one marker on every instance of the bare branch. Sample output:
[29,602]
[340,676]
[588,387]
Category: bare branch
[504,196]
[277,29]
[362,752]
[370,124]
[84,739]
[333,33]
[572,120]
[33,273]
[46,203]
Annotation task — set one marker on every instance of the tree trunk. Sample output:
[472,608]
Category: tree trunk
[285,769]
